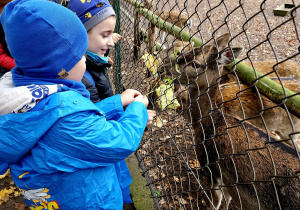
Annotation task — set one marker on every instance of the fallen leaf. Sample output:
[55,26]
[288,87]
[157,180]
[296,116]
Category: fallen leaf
[4,175]
[183,201]
[4,195]
[20,206]
[17,193]
[159,123]
[176,179]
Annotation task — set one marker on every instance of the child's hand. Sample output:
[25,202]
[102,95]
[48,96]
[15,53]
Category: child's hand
[109,60]
[128,96]
[143,99]
[116,37]
[151,115]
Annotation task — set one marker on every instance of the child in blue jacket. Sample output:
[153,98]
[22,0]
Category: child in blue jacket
[99,20]
[60,147]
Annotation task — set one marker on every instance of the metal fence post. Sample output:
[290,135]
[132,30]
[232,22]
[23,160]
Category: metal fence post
[117,75]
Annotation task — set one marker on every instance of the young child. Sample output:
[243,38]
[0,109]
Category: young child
[99,20]
[60,147]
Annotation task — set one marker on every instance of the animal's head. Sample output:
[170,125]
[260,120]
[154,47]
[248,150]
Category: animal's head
[202,66]
[169,55]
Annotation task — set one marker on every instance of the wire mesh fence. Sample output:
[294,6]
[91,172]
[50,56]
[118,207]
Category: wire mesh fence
[224,137]
[224,78]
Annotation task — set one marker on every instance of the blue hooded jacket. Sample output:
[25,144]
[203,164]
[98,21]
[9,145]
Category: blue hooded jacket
[66,153]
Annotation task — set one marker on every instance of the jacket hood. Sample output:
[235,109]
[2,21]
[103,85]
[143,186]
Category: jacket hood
[23,98]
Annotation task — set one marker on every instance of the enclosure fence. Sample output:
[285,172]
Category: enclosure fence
[224,79]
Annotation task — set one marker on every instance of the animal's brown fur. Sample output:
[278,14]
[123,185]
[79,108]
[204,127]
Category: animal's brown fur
[242,101]
[242,160]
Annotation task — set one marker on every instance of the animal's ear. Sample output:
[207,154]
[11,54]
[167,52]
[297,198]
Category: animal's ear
[228,55]
[222,41]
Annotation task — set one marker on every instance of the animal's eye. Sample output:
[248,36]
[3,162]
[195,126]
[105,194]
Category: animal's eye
[196,65]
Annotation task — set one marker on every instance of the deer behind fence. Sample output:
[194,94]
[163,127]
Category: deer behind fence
[243,162]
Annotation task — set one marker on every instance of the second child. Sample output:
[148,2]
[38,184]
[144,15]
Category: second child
[99,20]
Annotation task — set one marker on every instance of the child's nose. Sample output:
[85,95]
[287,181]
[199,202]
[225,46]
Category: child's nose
[110,42]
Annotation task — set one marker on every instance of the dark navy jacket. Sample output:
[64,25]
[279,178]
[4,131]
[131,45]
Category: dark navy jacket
[102,88]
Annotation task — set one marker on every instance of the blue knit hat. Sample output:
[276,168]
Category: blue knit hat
[46,39]
[91,12]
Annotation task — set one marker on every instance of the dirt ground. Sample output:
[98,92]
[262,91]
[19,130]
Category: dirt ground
[10,196]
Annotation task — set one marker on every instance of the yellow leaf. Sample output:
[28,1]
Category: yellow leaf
[195,164]
[17,194]
[176,179]
[4,195]
[158,122]
[150,63]
[4,175]
[165,95]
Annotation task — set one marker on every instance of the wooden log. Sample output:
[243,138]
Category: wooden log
[143,32]
[170,28]
[151,27]
[137,41]
[166,26]
[268,87]
[175,17]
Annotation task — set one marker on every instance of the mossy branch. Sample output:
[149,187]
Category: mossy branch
[142,31]
[272,90]
[164,25]
[169,27]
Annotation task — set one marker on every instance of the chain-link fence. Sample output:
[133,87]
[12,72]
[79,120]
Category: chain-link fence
[227,137]
[223,137]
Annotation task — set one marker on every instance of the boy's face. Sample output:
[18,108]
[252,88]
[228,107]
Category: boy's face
[100,36]
[77,72]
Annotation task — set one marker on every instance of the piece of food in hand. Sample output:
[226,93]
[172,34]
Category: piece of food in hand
[109,60]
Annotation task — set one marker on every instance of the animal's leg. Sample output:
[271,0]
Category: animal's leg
[227,198]
[216,194]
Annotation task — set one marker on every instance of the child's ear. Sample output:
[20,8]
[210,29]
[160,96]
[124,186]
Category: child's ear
[228,55]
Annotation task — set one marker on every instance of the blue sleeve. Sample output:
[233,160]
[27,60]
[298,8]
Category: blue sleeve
[123,174]
[86,140]
[112,107]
